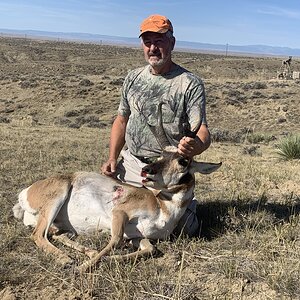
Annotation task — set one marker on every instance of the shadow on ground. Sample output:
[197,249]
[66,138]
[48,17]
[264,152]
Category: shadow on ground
[218,216]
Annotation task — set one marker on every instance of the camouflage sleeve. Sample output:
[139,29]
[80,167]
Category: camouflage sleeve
[196,105]
[124,108]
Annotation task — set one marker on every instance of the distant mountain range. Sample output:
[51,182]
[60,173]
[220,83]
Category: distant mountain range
[135,42]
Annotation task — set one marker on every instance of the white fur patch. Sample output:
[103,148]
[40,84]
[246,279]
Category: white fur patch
[30,219]
[178,197]
[24,202]
[171,149]
[18,211]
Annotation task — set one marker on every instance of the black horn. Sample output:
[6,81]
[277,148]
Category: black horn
[188,132]
[158,130]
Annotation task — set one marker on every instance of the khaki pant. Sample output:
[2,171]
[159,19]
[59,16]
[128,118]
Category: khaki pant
[129,170]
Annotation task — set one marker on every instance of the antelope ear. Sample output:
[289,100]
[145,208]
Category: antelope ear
[204,168]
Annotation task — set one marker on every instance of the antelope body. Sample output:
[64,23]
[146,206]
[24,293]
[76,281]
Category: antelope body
[84,201]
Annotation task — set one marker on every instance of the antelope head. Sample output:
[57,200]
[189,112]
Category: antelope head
[172,169]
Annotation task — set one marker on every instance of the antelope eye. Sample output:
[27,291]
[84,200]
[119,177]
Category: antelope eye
[183,162]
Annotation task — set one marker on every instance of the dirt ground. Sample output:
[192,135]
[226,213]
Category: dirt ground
[57,103]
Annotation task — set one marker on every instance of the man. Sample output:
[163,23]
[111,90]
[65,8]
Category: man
[183,97]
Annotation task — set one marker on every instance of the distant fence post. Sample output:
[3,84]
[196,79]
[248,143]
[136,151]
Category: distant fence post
[226,49]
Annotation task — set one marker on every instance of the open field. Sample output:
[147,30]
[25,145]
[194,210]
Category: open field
[57,103]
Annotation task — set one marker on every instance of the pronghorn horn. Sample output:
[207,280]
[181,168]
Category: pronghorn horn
[188,132]
[158,131]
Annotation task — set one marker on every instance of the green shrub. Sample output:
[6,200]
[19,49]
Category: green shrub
[289,148]
[255,138]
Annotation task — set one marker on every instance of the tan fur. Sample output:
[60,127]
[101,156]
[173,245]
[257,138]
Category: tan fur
[48,189]
[140,199]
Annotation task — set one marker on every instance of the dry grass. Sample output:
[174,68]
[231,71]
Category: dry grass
[249,243]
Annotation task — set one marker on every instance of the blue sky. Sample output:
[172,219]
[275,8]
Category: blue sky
[236,22]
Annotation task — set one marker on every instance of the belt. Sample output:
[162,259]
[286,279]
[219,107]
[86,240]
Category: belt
[146,160]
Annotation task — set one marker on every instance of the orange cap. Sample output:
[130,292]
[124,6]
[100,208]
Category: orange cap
[156,23]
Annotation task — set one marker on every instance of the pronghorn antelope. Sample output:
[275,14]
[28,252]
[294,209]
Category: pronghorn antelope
[77,203]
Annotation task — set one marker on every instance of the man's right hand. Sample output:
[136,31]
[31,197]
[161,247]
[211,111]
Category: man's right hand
[109,167]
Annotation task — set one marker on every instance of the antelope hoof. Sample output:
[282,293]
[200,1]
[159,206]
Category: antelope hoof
[83,267]
[66,261]
[91,253]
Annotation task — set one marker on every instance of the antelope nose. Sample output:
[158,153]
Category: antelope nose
[147,170]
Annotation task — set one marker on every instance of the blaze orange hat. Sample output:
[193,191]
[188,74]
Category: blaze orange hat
[156,23]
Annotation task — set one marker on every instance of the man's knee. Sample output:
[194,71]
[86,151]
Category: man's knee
[188,224]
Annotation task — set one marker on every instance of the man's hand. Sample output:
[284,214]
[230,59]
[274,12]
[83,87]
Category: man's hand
[189,147]
[109,168]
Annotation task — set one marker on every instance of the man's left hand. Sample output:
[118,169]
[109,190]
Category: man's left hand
[189,147]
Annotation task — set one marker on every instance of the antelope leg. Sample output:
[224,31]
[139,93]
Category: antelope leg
[145,249]
[119,219]
[65,240]
[41,240]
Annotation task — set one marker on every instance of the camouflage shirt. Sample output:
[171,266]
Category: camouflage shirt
[183,97]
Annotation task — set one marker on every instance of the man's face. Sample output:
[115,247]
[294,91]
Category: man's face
[157,48]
